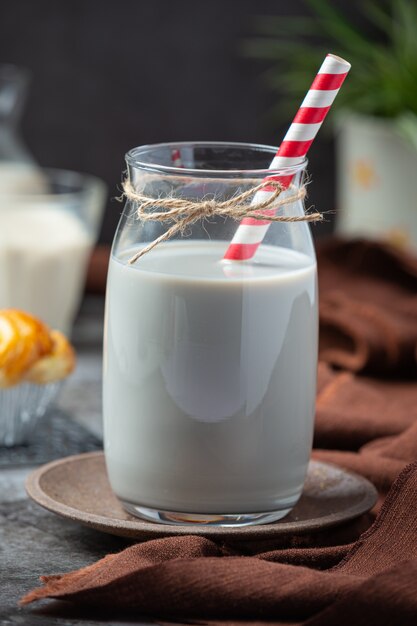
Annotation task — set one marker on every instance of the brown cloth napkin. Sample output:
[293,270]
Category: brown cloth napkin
[368,307]
[97,270]
[192,578]
[366,424]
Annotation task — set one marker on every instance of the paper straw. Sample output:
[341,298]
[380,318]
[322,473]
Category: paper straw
[176,158]
[294,147]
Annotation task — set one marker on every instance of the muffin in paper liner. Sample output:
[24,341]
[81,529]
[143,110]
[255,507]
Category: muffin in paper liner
[34,361]
[21,407]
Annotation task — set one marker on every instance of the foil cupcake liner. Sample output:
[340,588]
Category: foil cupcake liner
[21,407]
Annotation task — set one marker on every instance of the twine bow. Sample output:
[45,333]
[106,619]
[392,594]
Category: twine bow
[183,213]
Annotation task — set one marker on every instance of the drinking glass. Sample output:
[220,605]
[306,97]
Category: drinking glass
[209,365]
[47,233]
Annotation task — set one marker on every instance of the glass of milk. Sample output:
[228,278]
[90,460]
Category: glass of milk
[209,366]
[49,221]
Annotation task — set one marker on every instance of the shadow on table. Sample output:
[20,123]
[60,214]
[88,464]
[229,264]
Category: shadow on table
[58,609]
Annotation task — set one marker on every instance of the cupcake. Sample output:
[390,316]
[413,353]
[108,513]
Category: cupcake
[34,360]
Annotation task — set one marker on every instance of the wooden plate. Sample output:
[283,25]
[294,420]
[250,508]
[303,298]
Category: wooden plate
[77,488]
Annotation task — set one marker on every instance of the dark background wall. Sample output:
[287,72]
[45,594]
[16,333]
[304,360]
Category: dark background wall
[107,76]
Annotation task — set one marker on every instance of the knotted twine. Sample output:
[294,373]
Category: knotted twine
[183,213]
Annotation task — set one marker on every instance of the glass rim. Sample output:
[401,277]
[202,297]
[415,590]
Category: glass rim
[133,161]
[79,183]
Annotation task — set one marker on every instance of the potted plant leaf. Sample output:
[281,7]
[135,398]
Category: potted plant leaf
[377,112]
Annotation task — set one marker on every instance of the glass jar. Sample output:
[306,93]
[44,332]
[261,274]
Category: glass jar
[209,365]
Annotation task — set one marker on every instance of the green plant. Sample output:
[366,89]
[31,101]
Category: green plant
[383,79]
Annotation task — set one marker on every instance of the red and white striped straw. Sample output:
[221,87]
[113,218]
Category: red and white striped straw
[294,147]
[176,158]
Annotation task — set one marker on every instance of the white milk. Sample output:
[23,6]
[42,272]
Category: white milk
[209,378]
[43,255]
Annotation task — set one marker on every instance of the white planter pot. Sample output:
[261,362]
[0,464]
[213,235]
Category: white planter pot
[377,181]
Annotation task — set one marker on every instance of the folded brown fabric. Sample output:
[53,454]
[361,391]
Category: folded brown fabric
[97,270]
[300,577]
[350,411]
[363,572]
[201,580]
[368,307]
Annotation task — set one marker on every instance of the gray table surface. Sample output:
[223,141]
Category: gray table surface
[34,541]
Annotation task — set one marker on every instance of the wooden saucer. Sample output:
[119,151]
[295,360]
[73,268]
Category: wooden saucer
[77,488]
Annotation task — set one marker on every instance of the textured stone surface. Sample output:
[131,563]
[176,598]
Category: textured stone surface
[34,541]
[55,436]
